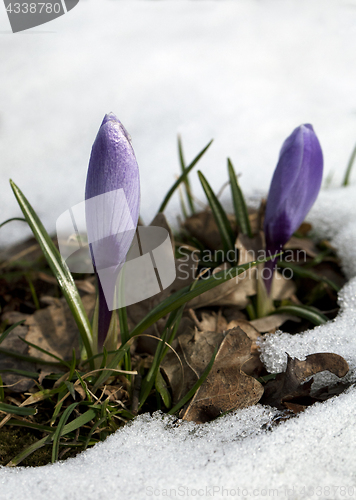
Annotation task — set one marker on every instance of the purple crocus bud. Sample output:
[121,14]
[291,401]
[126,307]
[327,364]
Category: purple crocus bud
[295,185]
[112,197]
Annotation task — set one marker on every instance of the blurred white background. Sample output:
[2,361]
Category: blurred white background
[243,72]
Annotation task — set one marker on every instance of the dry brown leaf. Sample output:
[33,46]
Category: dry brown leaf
[227,387]
[289,385]
[270,323]
[55,330]
[211,322]
[253,365]
[12,317]
[15,344]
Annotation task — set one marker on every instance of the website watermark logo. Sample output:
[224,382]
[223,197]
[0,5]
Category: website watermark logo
[132,264]
[24,14]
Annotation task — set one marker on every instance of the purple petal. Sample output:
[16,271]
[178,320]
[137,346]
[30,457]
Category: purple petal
[295,185]
[294,188]
[112,197]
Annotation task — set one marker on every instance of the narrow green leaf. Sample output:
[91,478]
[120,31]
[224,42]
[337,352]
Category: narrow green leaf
[30,359]
[306,273]
[184,295]
[12,219]
[124,327]
[149,380]
[61,361]
[224,226]
[79,422]
[346,180]
[195,387]
[70,387]
[30,425]
[186,180]
[24,373]
[305,312]
[173,302]
[68,428]
[17,410]
[59,405]
[84,386]
[238,199]
[30,449]
[9,330]
[119,355]
[182,177]
[33,292]
[162,389]
[59,430]
[93,429]
[72,365]
[182,204]
[59,269]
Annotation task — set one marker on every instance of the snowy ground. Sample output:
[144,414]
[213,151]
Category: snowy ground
[244,73]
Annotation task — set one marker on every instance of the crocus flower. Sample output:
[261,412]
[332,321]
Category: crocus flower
[295,185]
[112,197]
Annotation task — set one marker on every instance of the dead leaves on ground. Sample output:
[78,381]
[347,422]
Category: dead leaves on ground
[231,383]
[227,387]
[289,389]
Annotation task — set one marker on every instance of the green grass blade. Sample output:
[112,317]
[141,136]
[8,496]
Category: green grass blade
[238,199]
[188,190]
[306,273]
[184,295]
[150,378]
[84,386]
[305,312]
[346,180]
[12,219]
[48,353]
[68,428]
[70,387]
[79,422]
[30,425]
[182,177]
[25,453]
[195,387]
[9,330]
[30,359]
[124,327]
[59,269]
[58,406]
[224,226]
[161,388]
[17,410]
[120,353]
[58,432]
[182,204]
[173,302]
[95,426]
[33,292]
[24,373]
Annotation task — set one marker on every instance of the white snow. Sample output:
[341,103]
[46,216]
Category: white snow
[245,73]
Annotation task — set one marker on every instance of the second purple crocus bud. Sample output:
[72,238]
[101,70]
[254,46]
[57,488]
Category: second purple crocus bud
[112,197]
[294,188]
